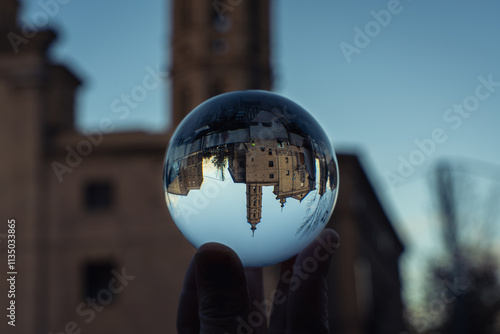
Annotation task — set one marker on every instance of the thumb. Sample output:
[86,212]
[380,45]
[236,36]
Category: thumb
[222,289]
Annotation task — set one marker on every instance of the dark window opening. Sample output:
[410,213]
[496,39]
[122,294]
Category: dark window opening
[98,195]
[97,276]
[271,176]
[270,152]
[271,163]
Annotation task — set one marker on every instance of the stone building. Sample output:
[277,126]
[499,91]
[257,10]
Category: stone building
[365,285]
[190,175]
[97,249]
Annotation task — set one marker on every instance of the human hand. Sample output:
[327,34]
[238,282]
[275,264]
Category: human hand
[220,296]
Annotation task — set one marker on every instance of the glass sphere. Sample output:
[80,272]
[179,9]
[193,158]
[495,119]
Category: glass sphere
[254,171]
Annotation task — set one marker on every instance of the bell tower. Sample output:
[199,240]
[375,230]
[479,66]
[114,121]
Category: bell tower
[254,205]
[218,46]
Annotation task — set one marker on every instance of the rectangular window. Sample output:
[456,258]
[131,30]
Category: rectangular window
[270,152]
[98,195]
[96,278]
[271,176]
[287,172]
[271,163]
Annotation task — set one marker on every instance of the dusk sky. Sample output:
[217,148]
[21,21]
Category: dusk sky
[404,84]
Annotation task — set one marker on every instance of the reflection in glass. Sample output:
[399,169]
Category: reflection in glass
[252,170]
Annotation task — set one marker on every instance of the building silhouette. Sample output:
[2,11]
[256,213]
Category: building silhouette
[97,247]
[364,284]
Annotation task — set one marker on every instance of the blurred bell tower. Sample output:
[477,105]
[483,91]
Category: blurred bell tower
[217,47]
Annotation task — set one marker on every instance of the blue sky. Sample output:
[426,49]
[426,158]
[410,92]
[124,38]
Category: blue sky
[394,90]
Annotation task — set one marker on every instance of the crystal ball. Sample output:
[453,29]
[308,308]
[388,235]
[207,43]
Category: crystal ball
[254,171]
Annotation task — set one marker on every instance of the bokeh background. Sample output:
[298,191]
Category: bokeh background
[410,87]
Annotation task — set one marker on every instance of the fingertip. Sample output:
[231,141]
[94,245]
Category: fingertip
[217,251]
[217,263]
[222,288]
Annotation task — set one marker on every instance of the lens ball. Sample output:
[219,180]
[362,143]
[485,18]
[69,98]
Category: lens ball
[252,170]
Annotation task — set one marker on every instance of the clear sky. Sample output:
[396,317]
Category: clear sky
[377,83]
